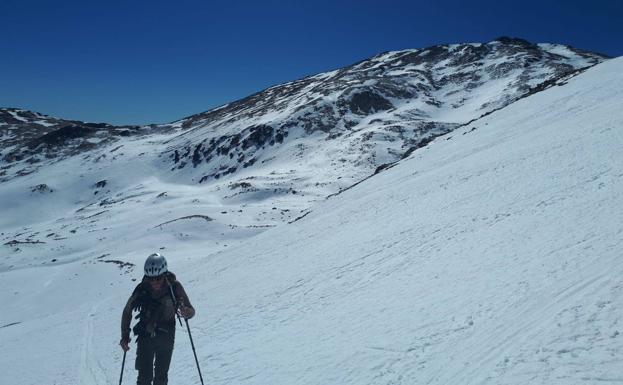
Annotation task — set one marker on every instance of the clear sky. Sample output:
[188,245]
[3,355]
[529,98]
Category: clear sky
[135,62]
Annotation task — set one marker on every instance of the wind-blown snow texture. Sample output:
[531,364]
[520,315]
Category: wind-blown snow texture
[492,255]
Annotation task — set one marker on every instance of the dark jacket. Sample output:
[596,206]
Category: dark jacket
[156,310]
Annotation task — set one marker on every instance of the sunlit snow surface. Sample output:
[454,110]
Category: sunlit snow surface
[492,256]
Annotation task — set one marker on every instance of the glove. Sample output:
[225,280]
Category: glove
[125,343]
[186,312]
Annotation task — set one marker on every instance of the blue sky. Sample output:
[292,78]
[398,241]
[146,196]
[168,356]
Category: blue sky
[135,62]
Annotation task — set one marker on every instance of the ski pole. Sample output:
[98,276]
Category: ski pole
[174,301]
[192,344]
[194,352]
[122,366]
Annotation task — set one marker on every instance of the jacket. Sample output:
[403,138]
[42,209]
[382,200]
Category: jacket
[156,309]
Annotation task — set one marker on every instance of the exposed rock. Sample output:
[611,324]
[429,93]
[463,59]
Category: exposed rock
[42,188]
[367,102]
[101,183]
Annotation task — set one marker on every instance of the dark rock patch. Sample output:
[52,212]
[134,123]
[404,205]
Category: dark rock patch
[101,183]
[197,155]
[61,136]
[240,185]
[16,242]
[515,41]
[42,188]
[367,102]
[120,264]
[258,136]
[249,163]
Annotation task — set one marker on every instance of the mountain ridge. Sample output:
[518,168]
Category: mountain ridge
[365,100]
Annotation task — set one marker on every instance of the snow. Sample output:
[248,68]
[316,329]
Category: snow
[43,123]
[16,116]
[491,256]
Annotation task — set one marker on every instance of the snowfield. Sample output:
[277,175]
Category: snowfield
[490,256]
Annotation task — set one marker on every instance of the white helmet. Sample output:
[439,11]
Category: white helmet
[155,265]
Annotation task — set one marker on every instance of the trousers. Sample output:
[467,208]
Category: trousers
[153,357]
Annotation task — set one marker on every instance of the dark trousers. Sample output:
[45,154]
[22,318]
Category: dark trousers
[153,357]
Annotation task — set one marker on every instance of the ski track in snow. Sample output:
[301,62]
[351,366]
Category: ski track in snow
[92,371]
[524,325]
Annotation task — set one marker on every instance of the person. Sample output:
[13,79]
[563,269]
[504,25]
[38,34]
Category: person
[157,298]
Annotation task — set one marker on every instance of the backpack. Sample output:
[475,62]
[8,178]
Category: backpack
[148,308]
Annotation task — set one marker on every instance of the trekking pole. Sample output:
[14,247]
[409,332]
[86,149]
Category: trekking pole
[194,352]
[122,366]
[192,344]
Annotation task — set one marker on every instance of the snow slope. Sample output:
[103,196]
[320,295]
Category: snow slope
[491,256]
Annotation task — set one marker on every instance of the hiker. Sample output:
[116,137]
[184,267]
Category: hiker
[157,299]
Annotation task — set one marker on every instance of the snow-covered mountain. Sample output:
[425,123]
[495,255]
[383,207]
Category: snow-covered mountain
[378,110]
[261,161]
[373,112]
[490,255]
